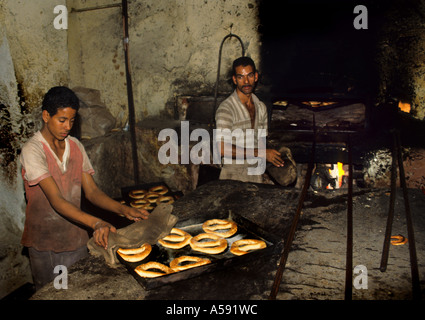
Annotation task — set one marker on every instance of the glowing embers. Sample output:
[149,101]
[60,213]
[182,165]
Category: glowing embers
[404,106]
[329,176]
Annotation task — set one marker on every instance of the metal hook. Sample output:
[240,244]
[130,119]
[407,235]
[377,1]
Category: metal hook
[230,35]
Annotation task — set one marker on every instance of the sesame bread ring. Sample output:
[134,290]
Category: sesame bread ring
[135,254]
[159,189]
[141,204]
[152,197]
[137,194]
[148,206]
[244,246]
[217,227]
[165,199]
[176,265]
[215,246]
[177,239]
[144,270]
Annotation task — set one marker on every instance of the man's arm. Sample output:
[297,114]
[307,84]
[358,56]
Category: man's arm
[70,211]
[272,155]
[100,199]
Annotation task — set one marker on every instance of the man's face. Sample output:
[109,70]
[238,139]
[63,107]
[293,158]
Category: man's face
[61,123]
[245,79]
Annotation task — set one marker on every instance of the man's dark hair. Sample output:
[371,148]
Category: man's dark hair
[243,61]
[60,97]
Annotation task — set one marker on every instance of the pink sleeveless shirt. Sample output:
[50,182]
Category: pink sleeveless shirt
[45,229]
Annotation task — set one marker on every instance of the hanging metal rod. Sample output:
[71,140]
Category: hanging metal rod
[230,35]
[130,97]
[106,6]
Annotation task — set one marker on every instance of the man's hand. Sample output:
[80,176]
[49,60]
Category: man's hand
[134,213]
[101,233]
[274,157]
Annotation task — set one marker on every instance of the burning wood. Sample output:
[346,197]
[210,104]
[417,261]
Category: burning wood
[329,176]
[337,172]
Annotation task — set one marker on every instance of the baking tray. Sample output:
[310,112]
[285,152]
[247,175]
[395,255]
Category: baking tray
[246,230]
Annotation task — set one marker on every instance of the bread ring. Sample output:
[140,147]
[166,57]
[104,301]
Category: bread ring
[143,269]
[177,239]
[196,262]
[135,254]
[141,204]
[398,240]
[137,194]
[159,189]
[165,199]
[217,245]
[244,246]
[152,197]
[213,225]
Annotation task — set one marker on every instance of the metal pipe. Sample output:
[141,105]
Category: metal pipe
[131,113]
[416,289]
[349,256]
[386,247]
[219,66]
[107,6]
[288,242]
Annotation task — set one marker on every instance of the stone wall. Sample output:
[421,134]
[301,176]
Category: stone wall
[400,54]
[173,49]
[33,57]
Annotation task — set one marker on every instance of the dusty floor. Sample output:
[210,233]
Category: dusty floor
[315,269]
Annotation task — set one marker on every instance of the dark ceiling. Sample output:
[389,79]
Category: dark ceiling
[313,47]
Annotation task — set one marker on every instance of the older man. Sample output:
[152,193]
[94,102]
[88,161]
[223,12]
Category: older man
[243,111]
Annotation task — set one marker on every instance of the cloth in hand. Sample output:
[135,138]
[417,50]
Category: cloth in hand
[157,226]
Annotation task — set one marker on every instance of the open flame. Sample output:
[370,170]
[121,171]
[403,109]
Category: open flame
[337,173]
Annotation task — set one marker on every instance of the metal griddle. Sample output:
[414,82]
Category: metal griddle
[246,230]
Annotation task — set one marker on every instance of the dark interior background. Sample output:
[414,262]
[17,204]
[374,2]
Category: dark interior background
[311,47]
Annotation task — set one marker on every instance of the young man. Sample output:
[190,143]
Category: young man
[243,110]
[55,167]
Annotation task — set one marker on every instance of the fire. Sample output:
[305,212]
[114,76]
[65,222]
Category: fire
[404,106]
[338,174]
[341,173]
